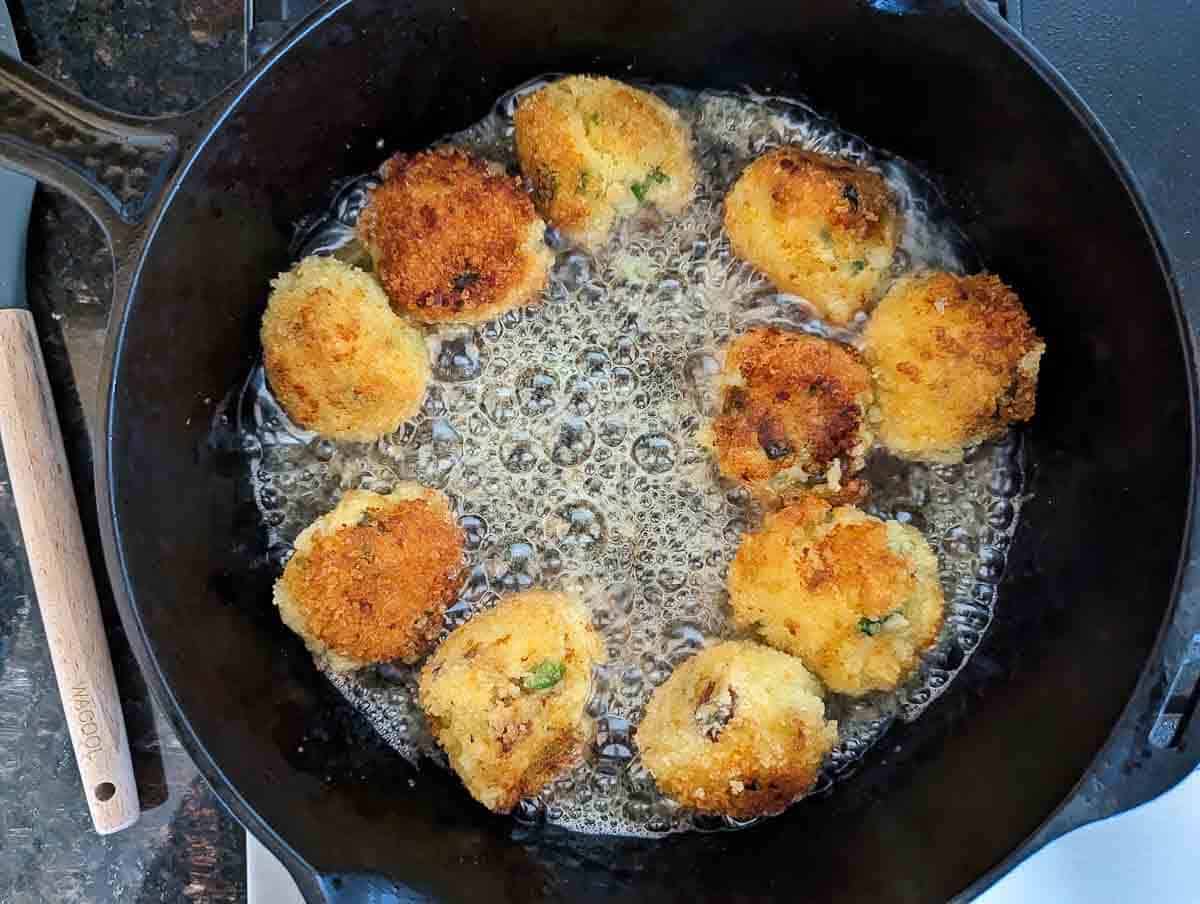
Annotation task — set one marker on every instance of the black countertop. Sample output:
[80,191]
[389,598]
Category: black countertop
[1134,66]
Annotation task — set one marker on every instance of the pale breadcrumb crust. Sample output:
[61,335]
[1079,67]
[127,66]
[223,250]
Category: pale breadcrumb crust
[505,737]
[596,149]
[955,362]
[739,729]
[337,359]
[818,227]
[856,598]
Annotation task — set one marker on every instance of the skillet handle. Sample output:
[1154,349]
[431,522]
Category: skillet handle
[113,164]
[62,576]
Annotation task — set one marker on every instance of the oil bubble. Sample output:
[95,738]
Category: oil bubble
[515,567]
[576,526]
[438,449]
[517,453]
[458,359]
[572,442]
[654,452]
[536,392]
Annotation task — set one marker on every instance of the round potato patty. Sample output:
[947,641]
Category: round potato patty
[818,227]
[369,581]
[856,598]
[794,412]
[454,238]
[739,730]
[506,693]
[596,149]
[337,359]
[955,362]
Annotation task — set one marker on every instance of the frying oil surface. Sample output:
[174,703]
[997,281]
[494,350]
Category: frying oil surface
[566,437]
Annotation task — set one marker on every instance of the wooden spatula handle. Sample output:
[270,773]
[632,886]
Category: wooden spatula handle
[62,576]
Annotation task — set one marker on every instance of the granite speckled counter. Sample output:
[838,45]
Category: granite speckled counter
[145,57]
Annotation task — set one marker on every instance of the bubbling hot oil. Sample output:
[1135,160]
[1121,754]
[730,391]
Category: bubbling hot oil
[565,435]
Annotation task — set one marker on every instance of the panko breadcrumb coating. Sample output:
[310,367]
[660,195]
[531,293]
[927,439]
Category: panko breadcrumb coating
[596,149]
[454,238]
[506,692]
[955,362]
[369,581]
[818,227]
[337,358]
[739,729]
[856,598]
[794,413]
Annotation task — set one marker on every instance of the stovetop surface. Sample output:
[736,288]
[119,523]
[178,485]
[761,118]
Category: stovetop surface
[1134,64]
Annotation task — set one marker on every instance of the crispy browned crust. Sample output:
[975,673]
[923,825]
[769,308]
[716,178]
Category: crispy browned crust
[375,591]
[955,360]
[791,400]
[817,226]
[453,238]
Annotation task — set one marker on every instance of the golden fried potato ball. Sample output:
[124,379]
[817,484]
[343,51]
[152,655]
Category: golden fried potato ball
[369,581]
[739,729]
[505,695]
[337,359]
[856,598]
[955,362]
[596,149]
[454,238]
[794,413]
[818,227]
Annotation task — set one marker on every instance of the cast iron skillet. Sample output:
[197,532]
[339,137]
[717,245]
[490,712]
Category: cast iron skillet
[198,209]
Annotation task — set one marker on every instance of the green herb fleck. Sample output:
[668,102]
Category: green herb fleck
[544,675]
[826,235]
[581,188]
[655,177]
[594,119]
[872,626]
[857,267]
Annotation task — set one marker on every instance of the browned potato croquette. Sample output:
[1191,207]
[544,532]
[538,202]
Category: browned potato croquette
[337,358]
[369,581]
[506,693]
[454,238]
[596,149]
[856,598]
[739,729]
[955,362]
[794,412]
[818,227]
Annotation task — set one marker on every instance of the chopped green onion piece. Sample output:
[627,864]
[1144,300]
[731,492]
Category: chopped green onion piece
[544,675]
[857,267]
[872,626]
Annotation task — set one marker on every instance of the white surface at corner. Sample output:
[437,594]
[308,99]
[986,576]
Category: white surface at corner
[1149,853]
[267,882]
